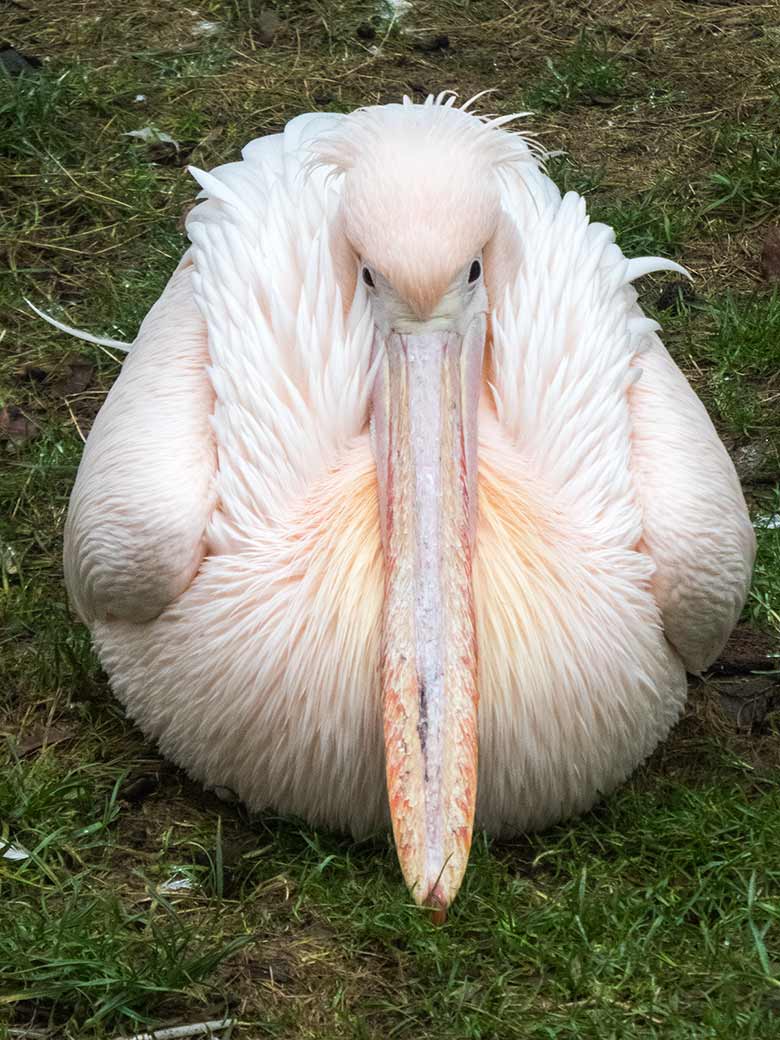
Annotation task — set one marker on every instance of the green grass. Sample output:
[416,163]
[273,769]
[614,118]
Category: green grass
[650,225]
[76,947]
[746,181]
[734,340]
[569,176]
[586,72]
[745,352]
[656,911]
[763,605]
[655,915]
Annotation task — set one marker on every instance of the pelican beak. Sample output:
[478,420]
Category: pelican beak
[424,426]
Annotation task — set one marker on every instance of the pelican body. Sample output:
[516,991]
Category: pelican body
[399,512]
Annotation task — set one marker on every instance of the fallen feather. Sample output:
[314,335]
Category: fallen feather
[14,852]
[151,135]
[218,1030]
[176,884]
[205,28]
[101,341]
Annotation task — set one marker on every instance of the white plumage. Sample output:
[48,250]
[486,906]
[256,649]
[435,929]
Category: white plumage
[224,544]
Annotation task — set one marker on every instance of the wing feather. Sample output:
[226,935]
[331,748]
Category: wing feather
[289,368]
[604,418]
[134,537]
[696,525]
[562,351]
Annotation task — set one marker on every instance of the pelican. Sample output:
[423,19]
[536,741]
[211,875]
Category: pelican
[399,513]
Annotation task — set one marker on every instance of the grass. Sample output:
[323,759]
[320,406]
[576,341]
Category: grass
[654,911]
[655,915]
[584,73]
[744,352]
[747,180]
[763,603]
[651,225]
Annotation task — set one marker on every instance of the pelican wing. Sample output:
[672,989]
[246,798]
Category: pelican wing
[606,420]
[289,361]
[563,344]
[696,525]
[246,381]
[134,537]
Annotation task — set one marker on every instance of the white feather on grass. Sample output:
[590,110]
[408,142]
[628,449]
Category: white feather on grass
[101,341]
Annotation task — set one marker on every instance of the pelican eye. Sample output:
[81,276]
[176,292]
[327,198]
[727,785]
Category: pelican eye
[475,271]
[368,278]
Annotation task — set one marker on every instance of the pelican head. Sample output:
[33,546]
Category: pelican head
[420,206]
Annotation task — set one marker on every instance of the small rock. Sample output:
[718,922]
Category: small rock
[279,973]
[232,854]
[267,26]
[145,780]
[76,379]
[139,788]
[41,737]
[750,460]
[32,374]
[15,63]
[675,293]
[749,703]
[770,255]
[602,100]
[9,563]
[748,650]
[15,426]
[430,44]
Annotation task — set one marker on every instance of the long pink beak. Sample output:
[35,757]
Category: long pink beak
[424,432]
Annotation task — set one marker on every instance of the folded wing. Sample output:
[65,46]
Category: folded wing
[695,522]
[134,536]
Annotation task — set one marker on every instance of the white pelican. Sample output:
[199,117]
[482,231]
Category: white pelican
[397,468]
